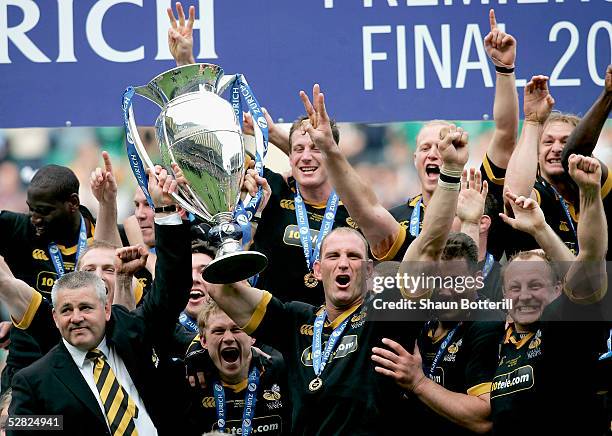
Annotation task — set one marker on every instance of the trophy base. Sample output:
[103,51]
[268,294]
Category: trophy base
[234,267]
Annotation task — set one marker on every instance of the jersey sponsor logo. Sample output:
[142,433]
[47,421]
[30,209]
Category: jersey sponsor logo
[45,281]
[536,341]
[511,382]
[39,254]
[292,235]
[348,344]
[438,375]
[563,227]
[271,424]
[208,402]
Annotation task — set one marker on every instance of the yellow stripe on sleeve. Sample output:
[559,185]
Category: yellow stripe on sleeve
[28,316]
[258,314]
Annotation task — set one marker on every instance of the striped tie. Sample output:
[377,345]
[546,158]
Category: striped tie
[119,407]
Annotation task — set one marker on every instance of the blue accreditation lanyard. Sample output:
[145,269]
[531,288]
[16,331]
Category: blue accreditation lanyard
[488,265]
[188,322]
[319,360]
[566,210]
[56,254]
[242,96]
[442,350]
[415,219]
[312,253]
[608,355]
[135,161]
[249,403]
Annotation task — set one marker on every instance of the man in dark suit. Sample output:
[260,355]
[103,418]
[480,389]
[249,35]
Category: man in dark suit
[126,386]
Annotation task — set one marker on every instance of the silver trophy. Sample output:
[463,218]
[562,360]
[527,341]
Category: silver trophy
[199,131]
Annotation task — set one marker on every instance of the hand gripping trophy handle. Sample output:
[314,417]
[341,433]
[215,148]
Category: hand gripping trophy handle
[198,130]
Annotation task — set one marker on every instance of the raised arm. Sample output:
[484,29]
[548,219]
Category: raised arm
[376,223]
[14,293]
[523,165]
[128,260]
[276,135]
[587,279]
[471,203]
[104,189]
[252,182]
[180,35]
[584,137]
[238,300]
[501,49]
[438,220]
[529,218]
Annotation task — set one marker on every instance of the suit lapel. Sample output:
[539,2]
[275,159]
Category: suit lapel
[68,373]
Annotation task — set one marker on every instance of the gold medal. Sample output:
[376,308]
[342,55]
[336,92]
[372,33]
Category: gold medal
[315,384]
[310,281]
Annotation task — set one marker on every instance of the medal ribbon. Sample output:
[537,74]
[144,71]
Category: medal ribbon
[312,254]
[135,162]
[415,219]
[250,399]
[56,254]
[567,212]
[188,322]
[488,265]
[242,96]
[442,350]
[319,360]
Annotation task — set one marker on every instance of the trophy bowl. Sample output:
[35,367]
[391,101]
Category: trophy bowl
[199,131]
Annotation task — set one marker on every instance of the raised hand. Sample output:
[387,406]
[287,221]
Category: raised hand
[128,260]
[318,124]
[161,186]
[528,217]
[180,35]
[538,102]
[453,147]
[500,46]
[102,182]
[586,172]
[472,196]
[608,80]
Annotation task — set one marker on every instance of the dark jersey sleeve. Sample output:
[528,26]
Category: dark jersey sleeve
[494,175]
[12,225]
[275,323]
[484,337]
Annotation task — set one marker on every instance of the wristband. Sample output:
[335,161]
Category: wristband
[166,209]
[451,173]
[449,179]
[504,70]
[449,186]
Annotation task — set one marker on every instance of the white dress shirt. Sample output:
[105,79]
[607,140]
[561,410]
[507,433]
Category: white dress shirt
[143,423]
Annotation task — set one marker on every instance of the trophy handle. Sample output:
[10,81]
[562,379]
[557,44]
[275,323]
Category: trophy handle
[148,163]
[225,82]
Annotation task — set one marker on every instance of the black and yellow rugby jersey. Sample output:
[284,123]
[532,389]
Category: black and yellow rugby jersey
[495,178]
[557,218]
[354,399]
[546,380]
[278,237]
[28,257]
[467,366]
[272,408]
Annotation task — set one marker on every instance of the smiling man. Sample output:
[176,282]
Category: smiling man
[246,389]
[198,296]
